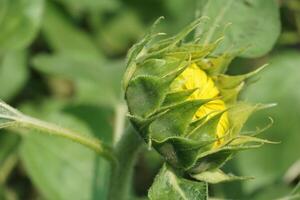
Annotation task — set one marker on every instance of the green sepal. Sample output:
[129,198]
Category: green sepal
[206,130]
[191,51]
[216,65]
[175,121]
[217,157]
[177,97]
[239,114]
[230,86]
[135,52]
[218,176]
[170,43]
[158,67]
[211,160]
[227,81]
[145,94]
[180,152]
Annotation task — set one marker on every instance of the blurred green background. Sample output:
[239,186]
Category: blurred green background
[63,60]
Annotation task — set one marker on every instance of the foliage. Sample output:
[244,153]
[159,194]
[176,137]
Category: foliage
[62,62]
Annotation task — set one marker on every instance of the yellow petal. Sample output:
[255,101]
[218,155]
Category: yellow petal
[194,77]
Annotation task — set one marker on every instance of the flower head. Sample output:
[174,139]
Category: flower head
[184,105]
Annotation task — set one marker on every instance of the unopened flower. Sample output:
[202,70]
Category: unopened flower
[184,105]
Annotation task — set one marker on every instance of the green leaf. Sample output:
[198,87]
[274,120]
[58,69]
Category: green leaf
[19,21]
[8,143]
[13,73]
[175,121]
[145,94]
[117,34]
[59,168]
[65,37]
[247,28]
[177,97]
[296,190]
[278,83]
[217,176]
[78,7]
[178,13]
[96,81]
[168,186]
[276,191]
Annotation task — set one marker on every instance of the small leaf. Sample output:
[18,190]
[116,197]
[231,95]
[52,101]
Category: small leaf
[168,186]
[217,176]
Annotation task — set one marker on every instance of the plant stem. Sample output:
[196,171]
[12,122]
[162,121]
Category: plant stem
[121,178]
[120,119]
[52,129]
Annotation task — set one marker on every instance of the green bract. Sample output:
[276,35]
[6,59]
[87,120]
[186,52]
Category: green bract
[165,119]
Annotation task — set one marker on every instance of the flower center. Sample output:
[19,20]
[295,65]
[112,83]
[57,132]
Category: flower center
[194,77]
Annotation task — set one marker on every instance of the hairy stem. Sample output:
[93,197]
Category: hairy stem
[120,119]
[52,129]
[126,150]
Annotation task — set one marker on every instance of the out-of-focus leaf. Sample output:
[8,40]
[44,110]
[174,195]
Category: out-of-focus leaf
[19,21]
[59,168]
[278,83]
[296,190]
[77,7]
[168,186]
[179,13]
[276,191]
[253,22]
[65,37]
[8,144]
[13,73]
[78,59]
[2,193]
[118,34]
[96,81]
[293,195]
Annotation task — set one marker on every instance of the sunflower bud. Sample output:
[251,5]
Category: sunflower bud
[184,105]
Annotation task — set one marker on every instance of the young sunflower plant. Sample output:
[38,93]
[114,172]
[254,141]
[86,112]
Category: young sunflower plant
[184,105]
